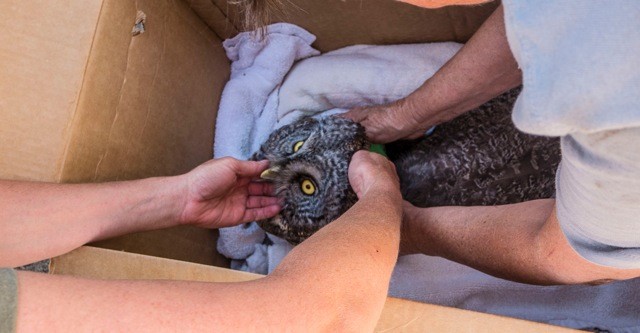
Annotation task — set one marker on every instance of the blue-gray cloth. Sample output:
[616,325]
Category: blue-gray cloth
[8,299]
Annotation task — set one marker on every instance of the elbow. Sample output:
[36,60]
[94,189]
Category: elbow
[356,315]
[331,309]
[561,264]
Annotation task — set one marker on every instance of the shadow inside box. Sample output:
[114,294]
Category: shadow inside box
[39,266]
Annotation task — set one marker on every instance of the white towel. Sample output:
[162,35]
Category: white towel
[247,112]
[362,75]
[249,100]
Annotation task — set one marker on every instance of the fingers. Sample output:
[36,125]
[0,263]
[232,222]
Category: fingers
[416,135]
[261,188]
[376,120]
[256,214]
[357,114]
[261,201]
[249,168]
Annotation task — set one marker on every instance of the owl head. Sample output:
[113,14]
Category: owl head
[309,162]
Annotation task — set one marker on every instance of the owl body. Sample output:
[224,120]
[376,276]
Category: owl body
[479,158]
[309,162]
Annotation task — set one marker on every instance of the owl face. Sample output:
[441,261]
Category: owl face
[309,163]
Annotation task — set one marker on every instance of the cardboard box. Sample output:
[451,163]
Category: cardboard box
[85,100]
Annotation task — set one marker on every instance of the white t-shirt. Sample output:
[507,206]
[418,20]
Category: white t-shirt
[581,81]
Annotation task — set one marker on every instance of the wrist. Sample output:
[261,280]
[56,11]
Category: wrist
[416,112]
[416,231]
[176,197]
[408,243]
[139,205]
[167,200]
[386,195]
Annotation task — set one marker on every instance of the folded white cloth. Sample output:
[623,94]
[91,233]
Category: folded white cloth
[249,100]
[247,113]
[363,75]
[360,75]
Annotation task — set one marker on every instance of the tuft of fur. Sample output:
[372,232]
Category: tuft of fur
[257,14]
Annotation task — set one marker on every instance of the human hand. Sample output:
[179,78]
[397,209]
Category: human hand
[221,193]
[370,171]
[387,123]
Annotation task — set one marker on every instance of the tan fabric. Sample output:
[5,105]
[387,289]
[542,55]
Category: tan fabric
[8,299]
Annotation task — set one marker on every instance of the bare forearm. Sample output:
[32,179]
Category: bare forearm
[371,228]
[481,70]
[41,220]
[337,280]
[521,242]
[498,240]
[55,303]
[348,263]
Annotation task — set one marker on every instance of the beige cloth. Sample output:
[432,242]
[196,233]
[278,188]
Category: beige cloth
[8,299]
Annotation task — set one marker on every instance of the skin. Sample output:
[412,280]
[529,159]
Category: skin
[337,280]
[481,70]
[42,220]
[443,3]
[521,242]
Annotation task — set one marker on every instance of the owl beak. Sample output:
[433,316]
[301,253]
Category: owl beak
[271,173]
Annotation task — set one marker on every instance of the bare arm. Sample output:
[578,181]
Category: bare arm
[42,220]
[521,242]
[481,70]
[337,280]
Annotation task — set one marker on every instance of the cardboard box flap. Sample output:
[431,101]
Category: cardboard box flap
[214,17]
[339,23]
[149,102]
[397,316]
[42,61]
[185,243]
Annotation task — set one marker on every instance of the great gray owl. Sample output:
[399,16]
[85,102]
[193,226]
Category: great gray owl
[309,160]
[479,158]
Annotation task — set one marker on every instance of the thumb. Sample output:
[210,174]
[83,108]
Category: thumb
[356,114]
[251,168]
[416,135]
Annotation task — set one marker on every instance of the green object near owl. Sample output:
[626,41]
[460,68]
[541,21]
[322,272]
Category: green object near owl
[378,148]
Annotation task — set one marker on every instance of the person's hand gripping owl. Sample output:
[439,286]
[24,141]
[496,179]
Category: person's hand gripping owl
[222,193]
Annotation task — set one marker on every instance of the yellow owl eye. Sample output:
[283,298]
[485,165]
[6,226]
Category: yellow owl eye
[297,146]
[308,187]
